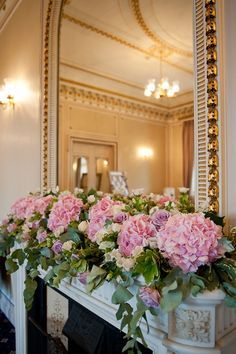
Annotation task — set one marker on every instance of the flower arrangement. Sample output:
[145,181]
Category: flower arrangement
[161,244]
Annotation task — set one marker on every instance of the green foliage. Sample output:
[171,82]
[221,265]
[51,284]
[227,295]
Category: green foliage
[147,265]
[96,278]
[30,288]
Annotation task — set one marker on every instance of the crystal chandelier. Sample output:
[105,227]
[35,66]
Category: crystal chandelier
[162,89]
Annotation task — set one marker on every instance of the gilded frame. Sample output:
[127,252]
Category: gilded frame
[207,175]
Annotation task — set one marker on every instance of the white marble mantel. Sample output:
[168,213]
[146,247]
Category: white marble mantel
[201,325]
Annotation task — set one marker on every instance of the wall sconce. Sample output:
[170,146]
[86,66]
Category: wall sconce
[7,95]
[145,153]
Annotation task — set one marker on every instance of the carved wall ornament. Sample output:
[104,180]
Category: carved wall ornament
[193,325]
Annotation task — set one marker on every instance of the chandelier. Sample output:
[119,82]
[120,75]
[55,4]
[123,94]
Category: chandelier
[162,89]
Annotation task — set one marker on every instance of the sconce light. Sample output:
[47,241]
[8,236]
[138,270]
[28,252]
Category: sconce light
[7,94]
[145,153]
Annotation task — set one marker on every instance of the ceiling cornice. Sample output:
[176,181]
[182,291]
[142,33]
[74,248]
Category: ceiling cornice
[113,93]
[145,112]
[121,41]
[163,45]
[7,8]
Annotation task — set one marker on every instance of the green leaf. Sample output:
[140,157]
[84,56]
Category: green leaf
[121,295]
[146,265]
[43,262]
[95,278]
[120,311]
[140,335]
[30,288]
[129,345]
[19,255]
[50,274]
[171,300]
[230,301]
[11,266]
[46,252]
[229,288]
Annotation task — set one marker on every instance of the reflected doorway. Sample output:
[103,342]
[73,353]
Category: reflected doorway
[90,165]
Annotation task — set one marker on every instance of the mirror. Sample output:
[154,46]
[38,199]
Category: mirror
[108,55]
[206,126]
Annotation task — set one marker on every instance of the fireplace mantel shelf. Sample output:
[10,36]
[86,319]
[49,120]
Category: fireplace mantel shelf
[201,325]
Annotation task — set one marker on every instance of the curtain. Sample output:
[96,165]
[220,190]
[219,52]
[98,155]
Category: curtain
[188,152]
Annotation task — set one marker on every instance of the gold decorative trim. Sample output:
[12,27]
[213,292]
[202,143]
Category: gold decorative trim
[168,48]
[120,41]
[112,104]
[3,5]
[123,106]
[212,106]
[45,98]
[111,92]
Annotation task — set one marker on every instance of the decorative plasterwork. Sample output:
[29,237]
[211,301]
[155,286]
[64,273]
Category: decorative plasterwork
[125,106]
[163,45]
[112,104]
[7,8]
[212,105]
[3,5]
[121,41]
[193,325]
[182,112]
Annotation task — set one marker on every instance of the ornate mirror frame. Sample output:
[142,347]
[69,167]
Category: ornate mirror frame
[207,120]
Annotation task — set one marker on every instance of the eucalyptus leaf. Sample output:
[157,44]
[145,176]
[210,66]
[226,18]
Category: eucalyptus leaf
[171,300]
[121,295]
[11,266]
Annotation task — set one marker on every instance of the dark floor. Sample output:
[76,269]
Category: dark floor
[7,336]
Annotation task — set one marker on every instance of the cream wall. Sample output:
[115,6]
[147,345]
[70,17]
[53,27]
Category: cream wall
[175,155]
[20,43]
[128,133]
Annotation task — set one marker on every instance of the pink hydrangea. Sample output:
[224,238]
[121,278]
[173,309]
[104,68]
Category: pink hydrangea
[190,240]
[65,210]
[105,209]
[135,232]
[40,204]
[150,296]
[21,209]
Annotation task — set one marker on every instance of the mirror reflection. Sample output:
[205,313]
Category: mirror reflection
[126,94]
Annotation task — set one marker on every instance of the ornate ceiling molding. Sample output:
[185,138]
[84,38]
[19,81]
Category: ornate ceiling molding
[7,8]
[121,41]
[142,111]
[112,104]
[3,5]
[183,112]
[166,47]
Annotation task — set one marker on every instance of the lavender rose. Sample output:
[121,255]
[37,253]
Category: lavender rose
[159,218]
[150,296]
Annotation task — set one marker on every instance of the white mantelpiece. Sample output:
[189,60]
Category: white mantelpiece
[200,325]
